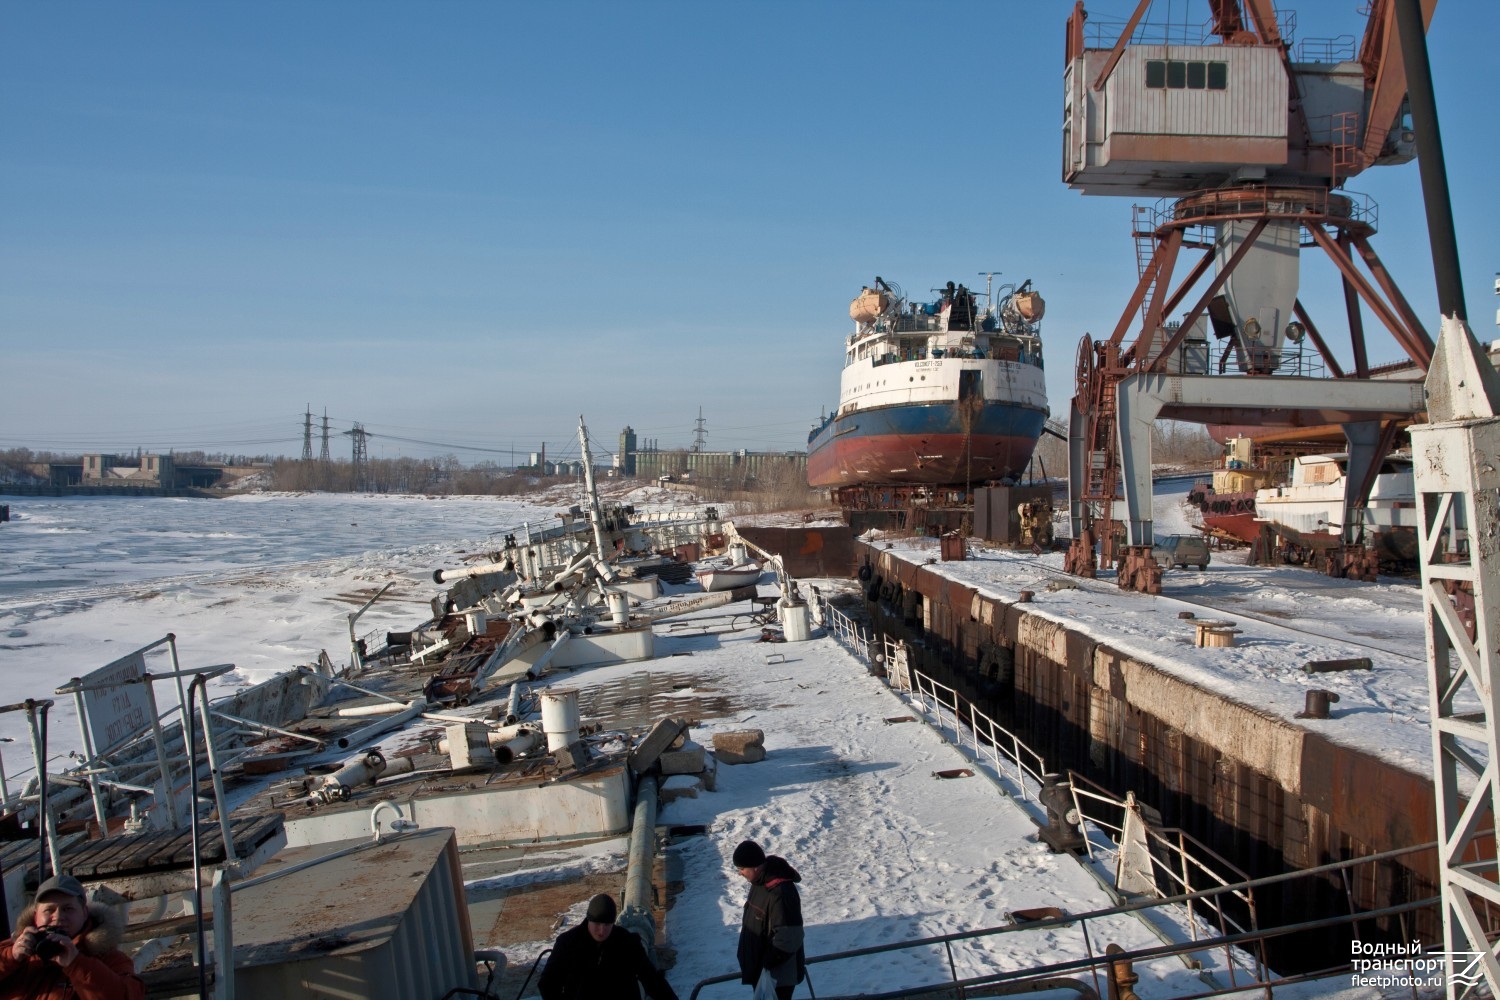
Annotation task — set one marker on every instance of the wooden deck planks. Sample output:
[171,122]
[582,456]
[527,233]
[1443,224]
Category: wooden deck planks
[150,852]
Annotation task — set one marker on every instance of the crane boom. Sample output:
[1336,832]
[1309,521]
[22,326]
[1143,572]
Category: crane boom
[1385,76]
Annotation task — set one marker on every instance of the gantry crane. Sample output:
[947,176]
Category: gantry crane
[1248,147]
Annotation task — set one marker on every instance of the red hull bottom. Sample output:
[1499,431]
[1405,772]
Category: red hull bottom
[933,459]
[1231,514]
[1242,526]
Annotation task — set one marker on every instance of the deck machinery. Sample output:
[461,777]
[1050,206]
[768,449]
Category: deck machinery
[1248,143]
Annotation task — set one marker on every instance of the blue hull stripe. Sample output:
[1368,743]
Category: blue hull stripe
[994,419]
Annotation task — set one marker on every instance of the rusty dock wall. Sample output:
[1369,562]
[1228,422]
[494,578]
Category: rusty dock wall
[1263,793]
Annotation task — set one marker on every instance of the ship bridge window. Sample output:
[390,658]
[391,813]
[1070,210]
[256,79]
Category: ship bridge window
[1177,74]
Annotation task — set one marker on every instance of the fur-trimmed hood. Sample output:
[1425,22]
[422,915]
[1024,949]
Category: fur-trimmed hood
[101,933]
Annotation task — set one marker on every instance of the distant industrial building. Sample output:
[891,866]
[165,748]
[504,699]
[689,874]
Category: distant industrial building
[731,468]
[144,471]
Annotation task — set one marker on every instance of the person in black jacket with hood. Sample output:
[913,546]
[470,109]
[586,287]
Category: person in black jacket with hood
[771,934]
[598,961]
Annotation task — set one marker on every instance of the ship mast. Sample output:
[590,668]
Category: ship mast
[596,516]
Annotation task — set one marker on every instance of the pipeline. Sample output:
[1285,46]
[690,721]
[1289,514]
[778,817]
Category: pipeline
[364,735]
[717,599]
[524,743]
[635,915]
[450,575]
[496,737]
[365,769]
[539,668]
[356,711]
[508,742]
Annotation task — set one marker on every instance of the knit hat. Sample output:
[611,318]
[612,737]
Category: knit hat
[749,855]
[601,909]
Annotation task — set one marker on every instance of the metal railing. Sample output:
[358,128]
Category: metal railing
[847,631]
[1217,898]
[1090,974]
[989,740]
[944,706]
[1179,863]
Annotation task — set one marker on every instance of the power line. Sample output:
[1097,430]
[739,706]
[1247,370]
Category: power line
[438,444]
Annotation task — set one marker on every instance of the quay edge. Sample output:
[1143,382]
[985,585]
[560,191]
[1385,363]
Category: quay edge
[1264,793]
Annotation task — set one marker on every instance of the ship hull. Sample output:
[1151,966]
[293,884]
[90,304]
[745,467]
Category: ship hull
[933,443]
[1231,515]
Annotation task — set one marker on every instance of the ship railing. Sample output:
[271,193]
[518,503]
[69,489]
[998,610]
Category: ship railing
[1178,862]
[950,712]
[846,630]
[1003,347]
[968,958]
[946,709]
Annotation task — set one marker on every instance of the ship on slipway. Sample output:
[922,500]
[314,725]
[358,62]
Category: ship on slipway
[934,393]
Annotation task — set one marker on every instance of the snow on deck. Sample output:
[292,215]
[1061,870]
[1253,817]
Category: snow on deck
[886,851]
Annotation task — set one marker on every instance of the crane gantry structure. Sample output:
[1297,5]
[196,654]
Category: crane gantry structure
[1249,148]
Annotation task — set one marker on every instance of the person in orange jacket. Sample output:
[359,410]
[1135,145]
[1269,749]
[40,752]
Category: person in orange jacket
[67,949]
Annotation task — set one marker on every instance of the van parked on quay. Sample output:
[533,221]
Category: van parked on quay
[1182,550]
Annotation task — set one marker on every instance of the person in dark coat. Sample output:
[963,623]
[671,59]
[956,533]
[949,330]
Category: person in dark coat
[598,961]
[771,934]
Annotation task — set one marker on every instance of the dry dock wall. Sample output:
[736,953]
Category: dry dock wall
[1261,792]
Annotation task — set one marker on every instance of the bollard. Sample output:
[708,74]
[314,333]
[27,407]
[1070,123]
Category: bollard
[1061,830]
[1122,977]
[1316,704]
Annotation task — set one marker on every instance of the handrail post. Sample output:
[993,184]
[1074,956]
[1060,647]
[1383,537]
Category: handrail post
[223,937]
[169,798]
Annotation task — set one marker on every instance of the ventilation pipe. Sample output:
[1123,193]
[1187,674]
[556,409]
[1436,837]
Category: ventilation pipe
[796,620]
[560,717]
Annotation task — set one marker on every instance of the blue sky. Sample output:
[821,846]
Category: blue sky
[467,223]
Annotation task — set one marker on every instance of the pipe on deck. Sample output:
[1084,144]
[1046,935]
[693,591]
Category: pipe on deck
[450,575]
[364,735]
[635,914]
[716,599]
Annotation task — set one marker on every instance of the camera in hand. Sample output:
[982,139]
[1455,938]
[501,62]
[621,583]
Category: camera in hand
[48,946]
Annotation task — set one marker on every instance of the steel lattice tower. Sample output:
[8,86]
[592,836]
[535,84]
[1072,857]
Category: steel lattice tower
[700,432]
[360,457]
[325,458]
[307,434]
